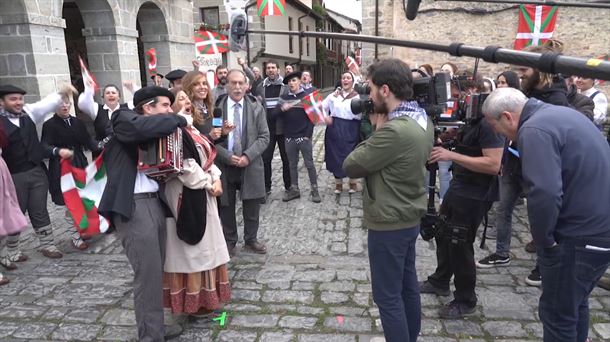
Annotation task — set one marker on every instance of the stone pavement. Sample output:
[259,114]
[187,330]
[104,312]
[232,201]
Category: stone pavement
[313,286]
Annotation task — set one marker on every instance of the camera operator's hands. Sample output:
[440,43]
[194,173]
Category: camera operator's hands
[440,154]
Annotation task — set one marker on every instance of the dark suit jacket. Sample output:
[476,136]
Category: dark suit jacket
[121,156]
[57,134]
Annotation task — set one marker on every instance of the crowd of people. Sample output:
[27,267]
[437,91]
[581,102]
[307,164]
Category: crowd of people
[180,232]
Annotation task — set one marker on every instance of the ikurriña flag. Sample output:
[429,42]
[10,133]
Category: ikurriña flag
[536,25]
[271,7]
[312,104]
[82,190]
[209,42]
[151,59]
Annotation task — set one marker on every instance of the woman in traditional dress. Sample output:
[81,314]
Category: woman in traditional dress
[196,280]
[343,132]
[12,220]
[100,113]
[66,137]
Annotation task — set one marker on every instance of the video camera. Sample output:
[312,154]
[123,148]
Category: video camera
[362,104]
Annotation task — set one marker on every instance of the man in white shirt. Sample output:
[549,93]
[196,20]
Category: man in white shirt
[23,157]
[586,87]
[131,201]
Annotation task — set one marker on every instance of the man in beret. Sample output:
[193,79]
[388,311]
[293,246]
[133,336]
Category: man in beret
[175,79]
[24,155]
[298,130]
[131,201]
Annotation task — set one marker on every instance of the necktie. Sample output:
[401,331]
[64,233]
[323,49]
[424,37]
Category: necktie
[237,149]
[67,121]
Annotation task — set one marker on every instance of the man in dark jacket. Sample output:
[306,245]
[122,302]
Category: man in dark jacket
[240,160]
[131,202]
[565,166]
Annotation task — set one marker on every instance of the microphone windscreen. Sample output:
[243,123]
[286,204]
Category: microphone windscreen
[217,118]
[412,7]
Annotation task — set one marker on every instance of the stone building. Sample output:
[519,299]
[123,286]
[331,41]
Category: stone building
[583,30]
[42,39]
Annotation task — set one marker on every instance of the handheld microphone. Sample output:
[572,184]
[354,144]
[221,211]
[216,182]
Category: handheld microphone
[217,120]
[411,8]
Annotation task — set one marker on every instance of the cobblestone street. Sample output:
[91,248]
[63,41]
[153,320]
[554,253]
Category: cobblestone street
[313,286]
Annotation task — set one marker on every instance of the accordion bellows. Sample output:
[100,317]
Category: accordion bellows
[162,157]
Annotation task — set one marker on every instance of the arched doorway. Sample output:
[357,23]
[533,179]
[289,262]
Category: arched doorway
[152,33]
[75,46]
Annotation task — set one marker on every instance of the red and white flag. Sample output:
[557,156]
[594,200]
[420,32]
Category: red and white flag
[87,75]
[352,65]
[82,190]
[536,25]
[271,7]
[209,42]
[151,58]
[312,103]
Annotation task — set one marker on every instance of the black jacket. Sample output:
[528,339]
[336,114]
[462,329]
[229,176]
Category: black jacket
[121,156]
[56,134]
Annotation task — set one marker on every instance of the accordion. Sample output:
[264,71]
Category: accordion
[162,157]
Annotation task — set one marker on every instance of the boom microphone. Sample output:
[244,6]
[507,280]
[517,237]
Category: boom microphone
[217,120]
[411,8]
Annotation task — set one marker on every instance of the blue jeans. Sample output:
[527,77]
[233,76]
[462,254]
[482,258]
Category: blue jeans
[569,273]
[394,281]
[510,189]
[444,177]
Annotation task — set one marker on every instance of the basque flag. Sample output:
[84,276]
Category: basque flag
[536,25]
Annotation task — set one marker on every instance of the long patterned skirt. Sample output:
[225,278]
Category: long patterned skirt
[192,292]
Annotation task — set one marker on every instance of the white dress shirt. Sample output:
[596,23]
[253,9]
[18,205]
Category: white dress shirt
[601,105]
[231,119]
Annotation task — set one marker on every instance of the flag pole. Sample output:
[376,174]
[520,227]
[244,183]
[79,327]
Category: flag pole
[599,4]
[553,63]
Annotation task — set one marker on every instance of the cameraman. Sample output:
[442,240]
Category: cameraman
[476,163]
[393,162]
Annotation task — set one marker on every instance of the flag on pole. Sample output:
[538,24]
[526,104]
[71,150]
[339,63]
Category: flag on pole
[352,65]
[209,42]
[271,7]
[87,75]
[82,190]
[151,58]
[536,25]
[312,103]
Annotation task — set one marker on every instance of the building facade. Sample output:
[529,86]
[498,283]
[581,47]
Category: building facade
[42,39]
[582,30]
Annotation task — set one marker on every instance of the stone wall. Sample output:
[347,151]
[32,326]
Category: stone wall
[477,25]
[33,51]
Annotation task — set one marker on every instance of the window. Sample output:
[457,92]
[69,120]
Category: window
[290,47]
[307,40]
[301,39]
[209,16]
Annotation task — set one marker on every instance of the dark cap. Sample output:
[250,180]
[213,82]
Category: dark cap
[175,74]
[152,77]
[292,75]
[10,89]
[149,93]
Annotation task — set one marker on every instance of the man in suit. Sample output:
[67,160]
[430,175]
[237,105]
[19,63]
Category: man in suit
[131,201]
[240,160]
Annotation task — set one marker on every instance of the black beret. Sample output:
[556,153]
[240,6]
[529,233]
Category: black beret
[175,74]
[152,77]
[10,89]
[148,93]
[291,76]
